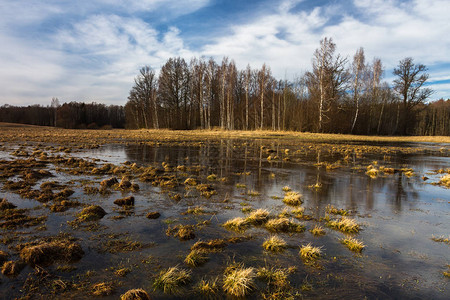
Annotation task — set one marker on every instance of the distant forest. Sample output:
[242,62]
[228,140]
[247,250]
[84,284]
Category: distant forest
[337,96]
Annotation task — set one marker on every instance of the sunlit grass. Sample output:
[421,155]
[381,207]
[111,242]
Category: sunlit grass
[292,198]
[258,217]
[309,252]
[274,244]
[196,258]
[171,280]
[317,230]
[345,225]
[237,224]
[353,244]
[336,211]
[284,225]
[238,281]
[208,289]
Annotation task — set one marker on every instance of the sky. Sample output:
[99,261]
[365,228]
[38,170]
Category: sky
[91,50]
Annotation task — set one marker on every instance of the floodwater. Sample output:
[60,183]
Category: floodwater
[398,213]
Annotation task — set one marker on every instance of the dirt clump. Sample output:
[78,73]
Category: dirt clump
[127,201]
[46,253]
[91,213]
[5,204]
[135,294]
[109,182]
[12,268]
[153,215]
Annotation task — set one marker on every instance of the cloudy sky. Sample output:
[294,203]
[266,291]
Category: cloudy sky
[90,50]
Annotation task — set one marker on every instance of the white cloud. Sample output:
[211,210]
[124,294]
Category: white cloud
[94,56]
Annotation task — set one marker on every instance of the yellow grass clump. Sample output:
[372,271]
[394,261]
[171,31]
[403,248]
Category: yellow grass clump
[345,225]
[208,289]
[171,280]
[292,198]
[237,224]
[196,258]
[353,244]
[317,230]
[445,181]
[284,225]
[238,281]
[274,244]
[336,211]
[258,217]
[309,252]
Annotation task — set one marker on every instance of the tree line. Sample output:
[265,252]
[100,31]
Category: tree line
[68,115]
[336,96]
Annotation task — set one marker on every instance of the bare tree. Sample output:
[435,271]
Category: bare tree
[263,76]
[358,68]
[143,95]
[409,86]
[327,81]
[55,105]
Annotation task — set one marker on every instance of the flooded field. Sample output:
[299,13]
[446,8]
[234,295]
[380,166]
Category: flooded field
[218,218]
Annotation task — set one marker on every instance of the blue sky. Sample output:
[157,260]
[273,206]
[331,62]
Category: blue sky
[91,50]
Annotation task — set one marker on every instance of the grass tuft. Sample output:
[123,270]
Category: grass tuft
[208,289]
[345,225]
[353,244]
[284,225]
[309,252]
[237,224]
[336,211]
[275,244]
[196,258]
[171,280]
[317,230]
[258,217]
[292,198]
[238,281]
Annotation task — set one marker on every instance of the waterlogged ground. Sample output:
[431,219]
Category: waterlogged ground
[390,190]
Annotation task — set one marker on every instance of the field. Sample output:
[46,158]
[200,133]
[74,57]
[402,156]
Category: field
[222,214]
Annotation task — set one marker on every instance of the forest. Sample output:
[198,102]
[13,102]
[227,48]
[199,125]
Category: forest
[338,95]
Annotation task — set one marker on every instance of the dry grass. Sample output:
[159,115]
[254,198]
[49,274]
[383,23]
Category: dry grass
[90,137]
[183,232]
[445,181]
[208,289]
[47,252]
[258,217]
[336,211]
[317,230]
[353,244]
[274,244]
[277,278]
[171,280]
[284,225]
[102,289]
[292,198]
[286,189]
[237,224]
[196,258]
[372,172]
[309,252]
[238,281]
[12,268]
[210,246]
[135,294]
[441,239]
[253,193]
[345,225]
